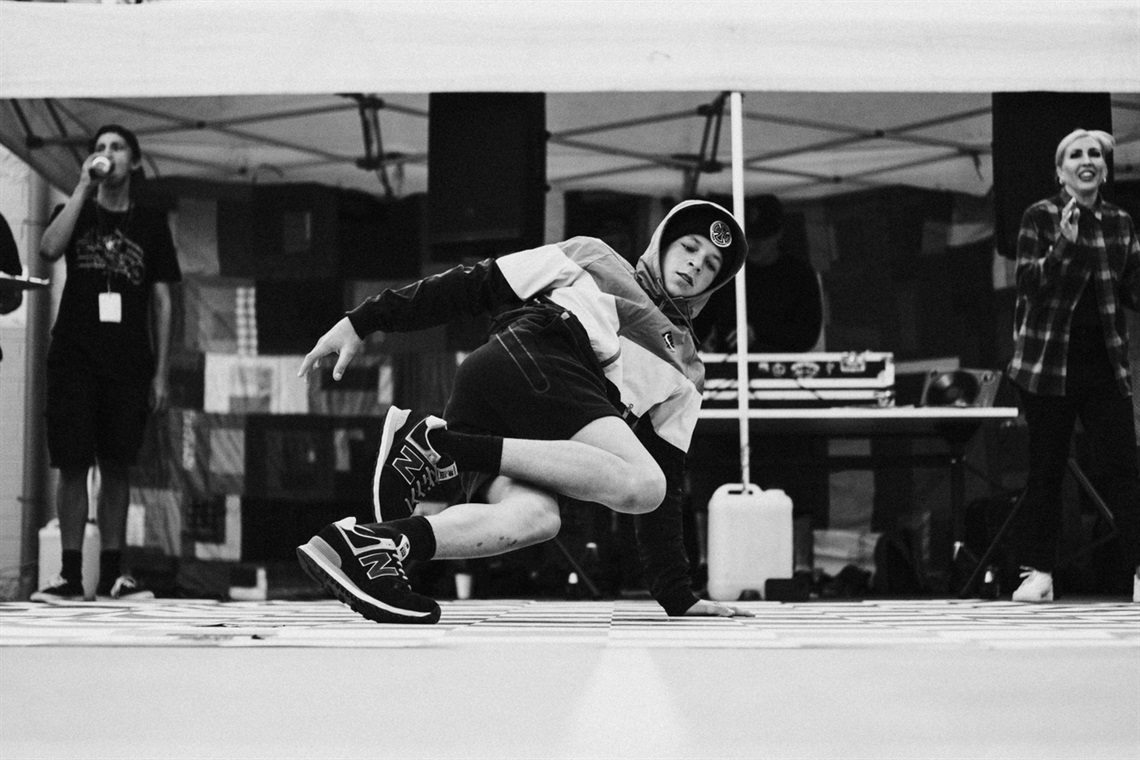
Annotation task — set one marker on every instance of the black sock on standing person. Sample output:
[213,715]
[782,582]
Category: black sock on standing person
[110,564]
[72,566]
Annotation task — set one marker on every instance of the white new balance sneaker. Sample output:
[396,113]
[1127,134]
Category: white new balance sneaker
[1036,586]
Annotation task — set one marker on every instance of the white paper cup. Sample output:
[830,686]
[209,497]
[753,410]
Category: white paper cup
[463,585]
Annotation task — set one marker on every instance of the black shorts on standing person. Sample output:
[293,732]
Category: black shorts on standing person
[107,364]
[1078,265]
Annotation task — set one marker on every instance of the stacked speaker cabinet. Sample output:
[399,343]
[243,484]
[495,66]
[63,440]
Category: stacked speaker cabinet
[1026,129]
[486,174]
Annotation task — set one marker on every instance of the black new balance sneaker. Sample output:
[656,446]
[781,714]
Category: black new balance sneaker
[407,466]
[362,566]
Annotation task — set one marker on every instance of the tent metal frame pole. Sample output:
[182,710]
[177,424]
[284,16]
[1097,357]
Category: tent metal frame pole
[627,124]
[191,124]
[631,169]
[899,133]
[608,150]
[737,125]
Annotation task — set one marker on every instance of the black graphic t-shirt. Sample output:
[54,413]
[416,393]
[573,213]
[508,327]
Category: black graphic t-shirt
[117,252]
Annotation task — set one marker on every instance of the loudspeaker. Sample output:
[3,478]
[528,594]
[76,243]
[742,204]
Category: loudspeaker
[486,173]
[1026,129]
[961,387]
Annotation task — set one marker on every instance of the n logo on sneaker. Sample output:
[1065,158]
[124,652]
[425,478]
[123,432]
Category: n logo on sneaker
[378,564]
[409,462]
[379,555]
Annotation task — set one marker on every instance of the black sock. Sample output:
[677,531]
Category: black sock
[472,453]
[421,537]
[72,566]
[110,565]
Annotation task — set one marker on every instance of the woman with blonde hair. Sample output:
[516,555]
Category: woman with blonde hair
[1078,265]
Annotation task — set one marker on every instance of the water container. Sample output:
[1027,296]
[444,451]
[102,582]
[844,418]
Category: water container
[51,555]
[749,540]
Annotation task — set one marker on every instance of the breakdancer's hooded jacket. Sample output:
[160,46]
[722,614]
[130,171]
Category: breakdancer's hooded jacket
[641,336]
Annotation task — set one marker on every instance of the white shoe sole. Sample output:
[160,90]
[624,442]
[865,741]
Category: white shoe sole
[145,596]
[1033,598]
[395,420]
[52,599]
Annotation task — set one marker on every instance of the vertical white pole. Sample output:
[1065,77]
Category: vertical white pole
[737,120]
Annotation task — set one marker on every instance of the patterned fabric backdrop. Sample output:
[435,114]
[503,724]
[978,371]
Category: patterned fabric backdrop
[246,443]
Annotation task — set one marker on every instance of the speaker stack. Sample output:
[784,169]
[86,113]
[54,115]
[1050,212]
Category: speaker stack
[486,174]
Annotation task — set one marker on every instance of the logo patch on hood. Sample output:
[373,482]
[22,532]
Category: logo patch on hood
[668,336]
[720,234]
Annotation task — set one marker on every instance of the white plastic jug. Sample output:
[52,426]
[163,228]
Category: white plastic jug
[51,555]
[749,540]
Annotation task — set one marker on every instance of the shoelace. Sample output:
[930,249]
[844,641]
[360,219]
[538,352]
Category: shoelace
[402,581]
[426,482]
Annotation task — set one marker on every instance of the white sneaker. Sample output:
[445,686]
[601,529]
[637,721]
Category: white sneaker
[1036,586]
[126,589]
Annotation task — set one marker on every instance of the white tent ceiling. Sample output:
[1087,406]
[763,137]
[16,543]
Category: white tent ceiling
[839,96]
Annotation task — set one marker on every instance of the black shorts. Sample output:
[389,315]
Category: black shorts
[537,377]
[91,417]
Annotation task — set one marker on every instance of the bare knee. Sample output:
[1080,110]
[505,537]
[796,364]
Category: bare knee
[529,514]
[539,523]
[644,492]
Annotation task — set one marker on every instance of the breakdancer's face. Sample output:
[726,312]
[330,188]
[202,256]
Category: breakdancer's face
[690,266]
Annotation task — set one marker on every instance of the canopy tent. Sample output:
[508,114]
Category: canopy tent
[191,47]
[838,95]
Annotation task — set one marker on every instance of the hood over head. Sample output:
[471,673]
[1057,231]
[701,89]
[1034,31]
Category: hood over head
[691,217]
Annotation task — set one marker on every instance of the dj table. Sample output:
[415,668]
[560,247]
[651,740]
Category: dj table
[955,426]
[859,421]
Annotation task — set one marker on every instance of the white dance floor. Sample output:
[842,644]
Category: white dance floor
[527,679]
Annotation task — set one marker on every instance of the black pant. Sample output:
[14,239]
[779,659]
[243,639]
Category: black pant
[1107,419]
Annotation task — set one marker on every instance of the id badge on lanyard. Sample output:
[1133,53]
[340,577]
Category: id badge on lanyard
[111,302]
[110,307]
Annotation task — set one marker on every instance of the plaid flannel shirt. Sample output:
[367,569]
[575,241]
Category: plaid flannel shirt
[1052,273]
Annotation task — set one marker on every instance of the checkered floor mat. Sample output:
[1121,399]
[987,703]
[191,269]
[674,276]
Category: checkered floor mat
[636,623]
